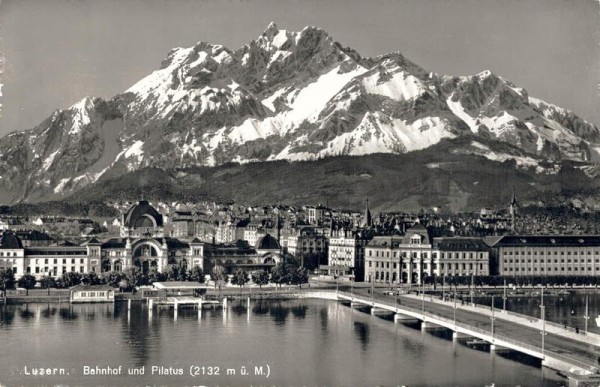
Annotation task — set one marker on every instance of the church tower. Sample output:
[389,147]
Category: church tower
[367,221]
[513,208]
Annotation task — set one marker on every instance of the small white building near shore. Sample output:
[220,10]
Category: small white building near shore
[92,293]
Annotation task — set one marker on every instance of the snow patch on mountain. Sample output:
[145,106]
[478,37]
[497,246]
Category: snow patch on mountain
[80,114]
[252,129]
[135,150]
[310,101]
[159,81]
[400,86]
[61,185]
[49,160]
[200,60]
[269,101]
[422,133]
[522,161]
[546,107]
[460,112]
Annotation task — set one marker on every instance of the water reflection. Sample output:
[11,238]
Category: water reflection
[49,311]
[339,345]
[260,307]
[362,332]
[26,313]
[279,313]
[135,332]
[239,309]
[7,314]
[67,313]
[299,311]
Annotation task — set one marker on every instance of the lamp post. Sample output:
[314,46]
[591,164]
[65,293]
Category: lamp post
[422,296]
[504,298]
[372,292]
[586,316]
[443,286]
[454,309]
[493,319]
[543,313]
[472,289]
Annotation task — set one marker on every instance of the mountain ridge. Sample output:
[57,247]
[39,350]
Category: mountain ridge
[283,96]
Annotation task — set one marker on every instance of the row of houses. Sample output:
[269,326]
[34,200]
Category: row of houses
[350,252]
[409,258]
[141,244]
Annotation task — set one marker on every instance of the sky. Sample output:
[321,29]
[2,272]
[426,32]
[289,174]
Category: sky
[55,52]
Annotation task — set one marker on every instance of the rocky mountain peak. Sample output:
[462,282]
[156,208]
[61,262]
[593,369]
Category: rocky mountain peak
[284,96]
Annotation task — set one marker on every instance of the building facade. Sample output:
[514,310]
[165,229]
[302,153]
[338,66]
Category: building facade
[520,255]
[347,254]
[410,258]
[141,244]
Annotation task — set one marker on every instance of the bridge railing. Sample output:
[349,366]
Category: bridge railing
[483,332]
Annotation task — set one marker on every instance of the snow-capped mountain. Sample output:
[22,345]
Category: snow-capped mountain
[284,96]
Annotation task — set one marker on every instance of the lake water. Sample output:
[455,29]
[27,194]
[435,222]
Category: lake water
[563,309]
[297,342]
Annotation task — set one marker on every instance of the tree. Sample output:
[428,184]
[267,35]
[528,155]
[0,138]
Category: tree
[48,282]
[173,273]
[135,277]
[219,276]
[91,278]
[260,277]
[7,279]
[124,284]
[240,278]
[279,274]
[112,278]
[298,276]
[156,276]
[71,278]
[28,282]
[196,274]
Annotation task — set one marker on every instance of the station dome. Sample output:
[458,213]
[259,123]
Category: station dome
[142,215]
[10,241]
[267,243]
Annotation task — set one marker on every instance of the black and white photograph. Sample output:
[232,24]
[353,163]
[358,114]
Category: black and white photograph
[300,193]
